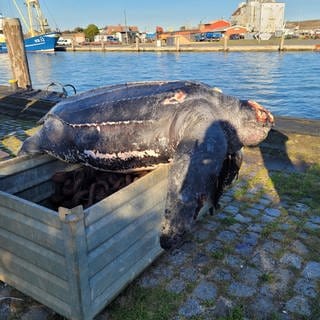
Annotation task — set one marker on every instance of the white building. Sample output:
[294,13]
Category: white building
[263,16]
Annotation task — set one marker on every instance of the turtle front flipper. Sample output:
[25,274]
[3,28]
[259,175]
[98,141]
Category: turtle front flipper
[192,179]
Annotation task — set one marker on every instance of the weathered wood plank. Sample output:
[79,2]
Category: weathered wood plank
[118,244]
[116,287]
[28,178]
[23,163]
[127,275]
[33,253]
[77,261]
[29,209]
[37,193]
[124,195]
[122,264]
[60,306]
[114,221]
[39,278]
[33,230]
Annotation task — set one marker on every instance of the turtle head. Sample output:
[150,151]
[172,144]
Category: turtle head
[255,123]
[31,145]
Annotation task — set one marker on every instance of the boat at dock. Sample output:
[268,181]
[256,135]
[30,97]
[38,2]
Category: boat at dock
[38,37]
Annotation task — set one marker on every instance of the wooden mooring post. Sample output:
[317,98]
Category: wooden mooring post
[225,43]
[15,44]
[177,43]
[281,45]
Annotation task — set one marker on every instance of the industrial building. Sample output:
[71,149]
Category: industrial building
[263,16]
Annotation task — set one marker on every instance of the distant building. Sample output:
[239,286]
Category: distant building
[125,34]
[303,29]
[187,35]
[239,30]
[263,16]
[75,37]
[120,28]
[79,37]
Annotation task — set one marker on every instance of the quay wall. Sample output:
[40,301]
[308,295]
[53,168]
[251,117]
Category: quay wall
[311,45]
[192,48]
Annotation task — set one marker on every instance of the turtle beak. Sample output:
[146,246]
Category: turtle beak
[262,115]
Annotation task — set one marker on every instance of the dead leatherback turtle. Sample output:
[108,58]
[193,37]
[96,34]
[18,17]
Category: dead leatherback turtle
[138,125]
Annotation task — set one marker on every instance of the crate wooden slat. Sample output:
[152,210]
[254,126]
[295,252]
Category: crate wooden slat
[31,252]
[115,288]
[61,307]
[31,229]
[29,209]
[115,221]
[111,249]
[24,178]
[75,261]
[121,265]
[33,274]
[124,195]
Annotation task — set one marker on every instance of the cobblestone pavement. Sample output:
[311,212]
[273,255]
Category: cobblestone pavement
[258,257]
[260,252]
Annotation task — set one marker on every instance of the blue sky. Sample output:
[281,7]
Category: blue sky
[147,14]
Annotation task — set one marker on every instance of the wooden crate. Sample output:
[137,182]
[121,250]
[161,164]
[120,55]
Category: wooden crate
[75,261]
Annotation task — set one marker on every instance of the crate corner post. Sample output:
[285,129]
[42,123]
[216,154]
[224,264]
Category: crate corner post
[76,254]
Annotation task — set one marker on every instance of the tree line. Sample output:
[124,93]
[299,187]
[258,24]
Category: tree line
[90,31]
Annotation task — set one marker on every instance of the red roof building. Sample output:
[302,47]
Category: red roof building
[214,25]
[205,27]
[235,30]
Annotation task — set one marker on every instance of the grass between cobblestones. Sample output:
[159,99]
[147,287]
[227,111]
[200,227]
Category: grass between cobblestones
[145,304]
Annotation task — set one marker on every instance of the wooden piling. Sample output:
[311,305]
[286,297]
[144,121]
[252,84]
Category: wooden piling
[281,46]
[225,43]
[17,54]
[178,43]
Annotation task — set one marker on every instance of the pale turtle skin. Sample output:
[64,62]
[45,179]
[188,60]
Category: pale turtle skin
[131,126]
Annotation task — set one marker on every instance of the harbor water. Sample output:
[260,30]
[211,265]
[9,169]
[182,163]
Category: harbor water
[286,83]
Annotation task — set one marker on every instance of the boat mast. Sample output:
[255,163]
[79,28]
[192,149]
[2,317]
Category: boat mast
[30,16]
[34,4]
[21,15]
[37,19]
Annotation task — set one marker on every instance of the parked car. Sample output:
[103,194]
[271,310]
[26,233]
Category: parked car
[64,42]
[208,36]
[213,36]
[234,36]
[112,40]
